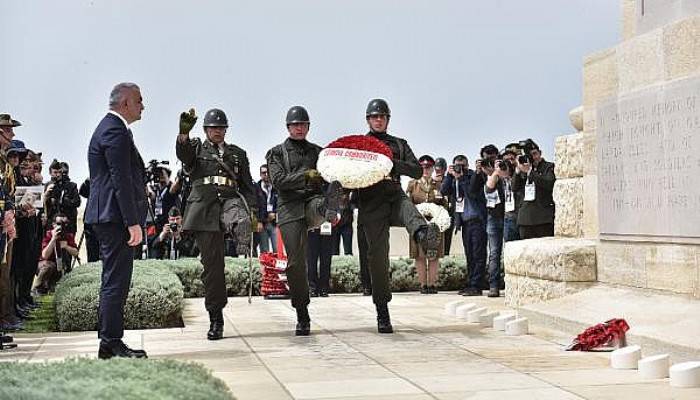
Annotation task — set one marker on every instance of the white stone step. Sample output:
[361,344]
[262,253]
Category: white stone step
[463,310]
[654,367]
[451,307]
[626,357]
[474,315]
[499,323]
[685,374]
[517,327]
[486,320]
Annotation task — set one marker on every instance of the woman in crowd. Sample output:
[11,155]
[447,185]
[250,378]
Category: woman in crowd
[426,190]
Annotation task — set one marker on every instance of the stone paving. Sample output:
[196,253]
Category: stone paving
[431,355]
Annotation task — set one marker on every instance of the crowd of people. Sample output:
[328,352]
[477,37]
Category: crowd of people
[504,195]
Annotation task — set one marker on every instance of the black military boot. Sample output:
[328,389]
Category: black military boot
[303,322]
[335,201]
[383,319]
[428,237]
[216,325]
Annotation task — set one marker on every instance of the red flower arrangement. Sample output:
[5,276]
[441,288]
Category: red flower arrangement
[362,142]
[609,333]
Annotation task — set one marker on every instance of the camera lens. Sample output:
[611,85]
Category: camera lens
[524,159]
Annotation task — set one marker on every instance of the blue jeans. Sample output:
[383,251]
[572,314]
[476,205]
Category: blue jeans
[267,235]
[494,230]
[474,241]
[510,229]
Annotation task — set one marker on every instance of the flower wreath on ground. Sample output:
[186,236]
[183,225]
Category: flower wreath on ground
[435,213]
[356,161]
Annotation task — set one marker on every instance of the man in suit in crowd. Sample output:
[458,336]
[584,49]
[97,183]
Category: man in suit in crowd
[116,209]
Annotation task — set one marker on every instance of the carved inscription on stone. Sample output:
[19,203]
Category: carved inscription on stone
[649,164]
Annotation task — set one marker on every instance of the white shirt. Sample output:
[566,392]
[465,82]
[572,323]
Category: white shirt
[120,117]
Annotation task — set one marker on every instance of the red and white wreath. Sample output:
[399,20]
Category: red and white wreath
[356,161]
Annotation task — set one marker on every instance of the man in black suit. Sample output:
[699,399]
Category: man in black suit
[116,209]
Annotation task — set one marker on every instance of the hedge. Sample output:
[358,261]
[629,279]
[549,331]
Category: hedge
[114,379]
[156,298]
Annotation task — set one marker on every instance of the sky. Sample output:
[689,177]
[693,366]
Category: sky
[457,74]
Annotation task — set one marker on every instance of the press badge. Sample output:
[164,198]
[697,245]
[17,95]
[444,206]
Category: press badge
[529,192]
[510,202]
[326,228]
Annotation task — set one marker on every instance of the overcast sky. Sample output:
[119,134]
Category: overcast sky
[457,74]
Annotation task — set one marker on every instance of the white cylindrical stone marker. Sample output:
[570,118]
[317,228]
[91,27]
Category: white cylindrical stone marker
[474,315]
[451,307]
[464,309]
[517,327]
[685,375]
[626,357]
[486,320]
[654,367]
[499,323]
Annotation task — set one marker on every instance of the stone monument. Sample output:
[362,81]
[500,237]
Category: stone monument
[628,181]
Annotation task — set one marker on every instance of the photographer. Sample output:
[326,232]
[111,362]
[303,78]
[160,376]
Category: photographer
[92,244]
[267,212]
[171,243]
[61,195]
[162,193]
[534,182]
[511,198]
[57,250]
[498,174]
[463,188]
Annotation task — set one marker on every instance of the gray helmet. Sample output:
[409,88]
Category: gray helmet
[440,163]
[378,107]
[297,115]
[215,118]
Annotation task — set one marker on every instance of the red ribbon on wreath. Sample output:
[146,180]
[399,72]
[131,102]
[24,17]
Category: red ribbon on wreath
[362,142]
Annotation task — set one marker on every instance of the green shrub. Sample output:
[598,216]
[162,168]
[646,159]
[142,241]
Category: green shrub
[114,379]
[155,298]
[189,270]
[345,274]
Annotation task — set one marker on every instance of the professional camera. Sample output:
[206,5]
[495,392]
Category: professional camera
[524,159]
[173,226]
[155,170]
[458,168]
[505,165]
[487,163]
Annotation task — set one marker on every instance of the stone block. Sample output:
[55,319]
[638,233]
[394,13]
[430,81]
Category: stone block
[621,263]
[697,271]
[576,118]
[589,158]
[521,290]
[629,18]
[672,268]
[681,48]
[600,80]
[553,259]
[568,152]
[591,225]
[640,61]
[568,197]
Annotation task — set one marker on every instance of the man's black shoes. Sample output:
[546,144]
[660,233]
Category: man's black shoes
[303,327]
[118,349]
[216,325]
[472,292]
[428,237]
[383,319]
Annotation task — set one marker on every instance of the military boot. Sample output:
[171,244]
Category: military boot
[383,319]
[216,325]
[428,237]
[303,322]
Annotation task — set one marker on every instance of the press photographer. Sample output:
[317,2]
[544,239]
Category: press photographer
[61,195]
[162,193]
[57,251]
[534,182]
[171,243]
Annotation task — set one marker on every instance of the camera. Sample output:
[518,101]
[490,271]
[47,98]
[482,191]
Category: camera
[487,163]
[155,170]
[458,168]
[173,226]
[505,165]
[524,159]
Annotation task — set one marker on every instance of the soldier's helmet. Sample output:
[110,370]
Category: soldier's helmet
[215,118]
[378,107]
[297,115]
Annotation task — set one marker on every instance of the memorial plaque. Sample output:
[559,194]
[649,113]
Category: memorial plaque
[649,164]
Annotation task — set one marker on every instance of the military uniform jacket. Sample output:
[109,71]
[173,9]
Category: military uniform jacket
[287,174]
[540,211]
[203,211]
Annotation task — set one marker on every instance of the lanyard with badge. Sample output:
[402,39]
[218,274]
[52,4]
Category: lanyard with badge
[492,199]
[529,188]
[508,192]
[459,204]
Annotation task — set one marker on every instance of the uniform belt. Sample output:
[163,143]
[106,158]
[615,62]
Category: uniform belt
[215,180]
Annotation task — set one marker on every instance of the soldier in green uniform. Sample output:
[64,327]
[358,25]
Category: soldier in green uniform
[220,202]
[8,320]
[301,204]
[385,204]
